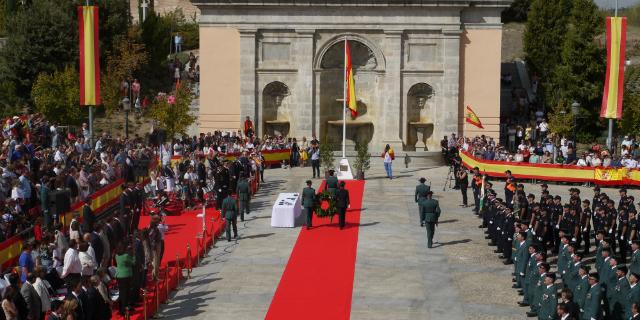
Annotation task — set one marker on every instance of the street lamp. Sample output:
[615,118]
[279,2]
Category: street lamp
[575,110]
[126,105]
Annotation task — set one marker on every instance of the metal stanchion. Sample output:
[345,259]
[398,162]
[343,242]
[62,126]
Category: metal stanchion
[188,266]
[199,236]
[157,294]
[166,283]
[144,304]
[179,272]
[127,313]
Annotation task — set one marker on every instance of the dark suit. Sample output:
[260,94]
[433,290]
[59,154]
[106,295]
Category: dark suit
[88,219]
[96,244]
[244,195]
[308,202]
[82,301]
[32,299]
[342,202]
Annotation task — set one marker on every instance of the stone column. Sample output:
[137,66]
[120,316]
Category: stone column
[451,82]
[303,53]
[389,124]
[248,91]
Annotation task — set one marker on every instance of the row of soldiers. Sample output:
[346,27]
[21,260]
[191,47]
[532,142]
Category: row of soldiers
[527,232]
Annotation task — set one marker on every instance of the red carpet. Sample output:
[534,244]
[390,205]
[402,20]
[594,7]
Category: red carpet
[318,280]
[183,230]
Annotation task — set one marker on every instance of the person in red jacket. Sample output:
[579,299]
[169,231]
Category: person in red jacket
[248,127]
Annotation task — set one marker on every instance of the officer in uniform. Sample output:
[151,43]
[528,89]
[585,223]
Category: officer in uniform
[230,213]
[549,299]
[581,286]
[476,187]
[244,196]
[331,184]
[635,257]
[308,202]
[342,203]
[421,193]
[633,295]
[617,293]
[431,210]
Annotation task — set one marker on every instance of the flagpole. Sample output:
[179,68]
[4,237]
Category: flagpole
[344,104]
[610,131]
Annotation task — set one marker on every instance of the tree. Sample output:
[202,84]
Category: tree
[172,112]
[128,57]
[631,103]
[114,22]
[8,100]
[544,35]
[156,36]
[580,74]
[57,96]
[42,37]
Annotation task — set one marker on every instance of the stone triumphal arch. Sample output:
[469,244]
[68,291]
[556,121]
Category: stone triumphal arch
[417,64]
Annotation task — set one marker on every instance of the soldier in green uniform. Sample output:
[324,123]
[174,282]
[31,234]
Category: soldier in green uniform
[230,213]
[331,184]
[549,298]
[618,294]
[521,258]
[633,295]
[308,202]
[431,210]
[421,193]
[538,289]
[582,286]
[244,195]
[593,299]
[530,275]
[634,267]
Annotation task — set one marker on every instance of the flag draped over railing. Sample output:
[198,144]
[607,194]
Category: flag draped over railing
[614,81]
[89,55]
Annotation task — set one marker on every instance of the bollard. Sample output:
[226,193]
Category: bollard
[157,293]
[179,272]
[127,313]
[144,304]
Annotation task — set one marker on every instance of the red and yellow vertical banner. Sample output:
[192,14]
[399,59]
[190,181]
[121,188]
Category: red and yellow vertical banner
[89,56]
[352,103]
[614,81]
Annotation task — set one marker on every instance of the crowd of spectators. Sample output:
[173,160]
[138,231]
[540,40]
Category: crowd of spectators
[546,152]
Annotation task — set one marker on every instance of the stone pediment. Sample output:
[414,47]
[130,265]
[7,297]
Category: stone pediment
[359,3]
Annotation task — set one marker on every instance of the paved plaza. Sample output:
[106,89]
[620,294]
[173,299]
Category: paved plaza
[396,276]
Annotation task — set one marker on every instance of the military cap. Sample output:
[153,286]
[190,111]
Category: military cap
[585,267]
[557,198]
[594,275]
[635,275]
[422,180]
[430,193]
[551,275]
[623,268]
[342,183]
[544,185]
[308,182]
[623,190]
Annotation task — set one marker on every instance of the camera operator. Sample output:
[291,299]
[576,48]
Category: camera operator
[456,162]
[444,145]
[463,182]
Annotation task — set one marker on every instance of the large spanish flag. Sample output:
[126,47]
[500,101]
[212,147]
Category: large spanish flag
[614,81]
[352,103]
[89,56]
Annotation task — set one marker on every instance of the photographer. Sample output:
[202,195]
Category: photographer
[456,162]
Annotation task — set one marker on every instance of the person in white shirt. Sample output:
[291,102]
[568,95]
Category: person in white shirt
[86,260]
[543,127]
[582,162]
[54,136]
[42,287]
[631,163]
[60,156]
[596,162]
[627,142]
[72,267]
